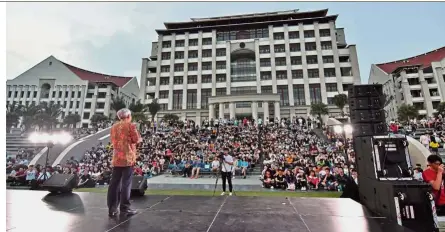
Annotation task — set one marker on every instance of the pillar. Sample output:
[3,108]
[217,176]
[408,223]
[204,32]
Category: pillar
[277,110]
[255,110]
[232,110]
[221,110]
[211,111]
[266,111]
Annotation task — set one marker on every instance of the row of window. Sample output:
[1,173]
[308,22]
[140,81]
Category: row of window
[296,47]
[193,54]
[194,66]
[45,94]
[192,43]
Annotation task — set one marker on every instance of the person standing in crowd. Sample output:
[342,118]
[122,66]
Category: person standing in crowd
[226,171]
[124,137]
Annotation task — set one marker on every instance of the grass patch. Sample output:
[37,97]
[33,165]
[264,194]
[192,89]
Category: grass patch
[276,193]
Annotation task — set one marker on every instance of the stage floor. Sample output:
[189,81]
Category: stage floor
[87,212]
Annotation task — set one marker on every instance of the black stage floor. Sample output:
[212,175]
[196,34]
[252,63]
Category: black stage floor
[87,212]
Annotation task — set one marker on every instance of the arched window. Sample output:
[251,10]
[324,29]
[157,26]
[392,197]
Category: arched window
[44,90]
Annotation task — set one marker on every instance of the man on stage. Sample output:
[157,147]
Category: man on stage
[226,171]
[124,137]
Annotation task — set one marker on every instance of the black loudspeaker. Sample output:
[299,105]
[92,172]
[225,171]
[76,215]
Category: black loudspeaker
[60,183]
[409,203]
[138,186]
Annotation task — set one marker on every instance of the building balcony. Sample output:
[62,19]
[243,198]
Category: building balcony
[151,75]
[343,52]
[436,98]
[422,112]
[415,87]
[150,89]
[418,99]
[152,64]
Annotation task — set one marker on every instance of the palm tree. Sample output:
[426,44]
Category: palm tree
[72,119]
[138,111]
[340,100]
[28,112]
[441,108]
[170,117]
[319,109]
[154,108]
[407,112]
[13,113]
[47,115]
[118,103]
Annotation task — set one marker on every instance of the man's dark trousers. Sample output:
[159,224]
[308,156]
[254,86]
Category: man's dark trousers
[120,188]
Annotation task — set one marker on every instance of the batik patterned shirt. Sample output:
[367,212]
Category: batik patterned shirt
[124,137]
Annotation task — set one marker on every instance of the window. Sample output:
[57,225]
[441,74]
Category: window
[193,42]
[179,67]
[192,79]
[310,46]
[296,60]
[193,54]
[220,65]
[242,34]
[89,95]
[315,93]
[191,98]
[295,47]
[206,79]
[54,94]
[165,68]
[177,99]
[331,87]
[328,59]
[243,90]
[87,105]
[178,80]
[35,94]
[77,104]
[220,77]
[221,52]
[28,95]
[220,91]
[283,91]
[278,35]
[72,94]
[207,53]
[205,94]
[309,34]
[165,56]
[264,49]
[281,75]
[311,60]
[325,32]
[297,74]
[193,66]
[265,76]
[60,94]
[329,72]
[279,48]
[266,89]
[164,106]
[346,71]
[179,55]
[22,94]
[243,104]
[163,94]
[9,93]
[164,80]
[179,43]
[294,34]
[243,70]
[331,101]
[313,73]
[166,44]
[100,105]
[280,61]
[299,96]
[265,62]
[79,94]
[102,95]
[86,115]
[207,66]
[207,41]
[326,45]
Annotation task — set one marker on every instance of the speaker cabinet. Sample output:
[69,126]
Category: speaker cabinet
[60,183]
[138,186]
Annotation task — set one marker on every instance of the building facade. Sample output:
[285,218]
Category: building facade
[417,81]
[267,65]
[76,90]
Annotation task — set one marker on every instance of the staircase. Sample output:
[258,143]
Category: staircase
[15,141]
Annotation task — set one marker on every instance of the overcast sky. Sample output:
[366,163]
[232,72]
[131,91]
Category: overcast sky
[113,37]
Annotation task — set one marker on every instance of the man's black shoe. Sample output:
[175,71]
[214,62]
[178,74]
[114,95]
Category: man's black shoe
[129,211]
[112,213]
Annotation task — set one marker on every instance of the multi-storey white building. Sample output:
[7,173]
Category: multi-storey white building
[267,65]
[78,91]
[417,81]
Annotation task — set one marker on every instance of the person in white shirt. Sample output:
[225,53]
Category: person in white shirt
[226,171]
[215,165]
[425,140]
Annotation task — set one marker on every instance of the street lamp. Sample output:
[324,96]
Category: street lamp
[50,139]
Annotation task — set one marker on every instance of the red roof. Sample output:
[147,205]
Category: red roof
[97,77]
[423,60]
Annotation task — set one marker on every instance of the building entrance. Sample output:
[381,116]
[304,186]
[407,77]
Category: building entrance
[242,116]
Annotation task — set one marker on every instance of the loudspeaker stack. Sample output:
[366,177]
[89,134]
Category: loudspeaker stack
[383,163]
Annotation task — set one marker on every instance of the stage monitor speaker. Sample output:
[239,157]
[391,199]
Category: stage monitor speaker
[409,203]
[369,129]
[383,157]
[367,115]
[373,90]
[138,186]
[60,183]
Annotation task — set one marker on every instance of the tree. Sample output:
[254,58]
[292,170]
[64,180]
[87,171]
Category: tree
[138,111]
[171,117]
[46,115]
[118,103]
[340,100]
[28,113]
[72,119]
[98,118]
[441,108]
[13,113]
[319,109]
[154,108]
[407,112]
